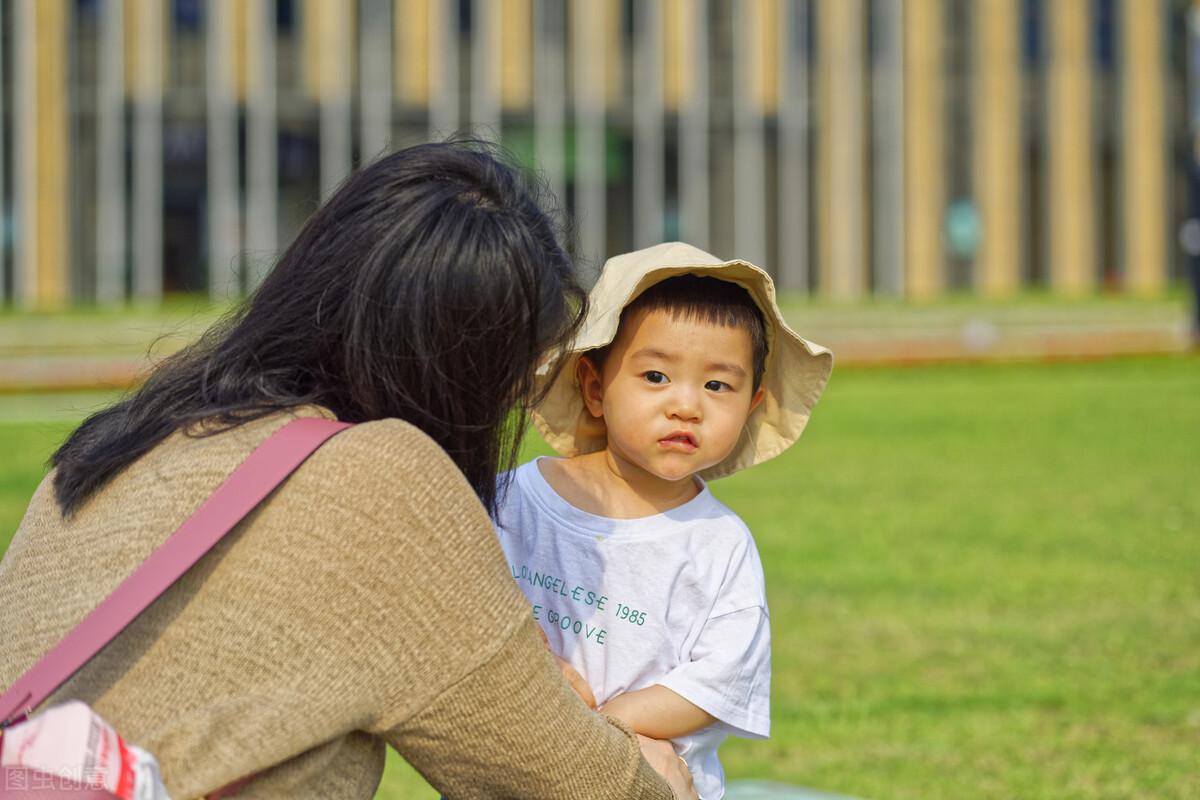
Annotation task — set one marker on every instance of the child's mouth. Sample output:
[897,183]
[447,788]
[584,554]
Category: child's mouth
[679,441]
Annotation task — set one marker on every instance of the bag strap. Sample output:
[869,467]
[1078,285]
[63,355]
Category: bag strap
[247,486]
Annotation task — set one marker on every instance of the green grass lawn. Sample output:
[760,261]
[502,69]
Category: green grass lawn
[984,583]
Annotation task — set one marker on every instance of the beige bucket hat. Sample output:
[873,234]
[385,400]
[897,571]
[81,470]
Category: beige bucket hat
[795,374]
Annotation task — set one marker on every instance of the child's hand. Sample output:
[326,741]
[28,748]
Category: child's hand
[573,678]
[577,683]
[662,757]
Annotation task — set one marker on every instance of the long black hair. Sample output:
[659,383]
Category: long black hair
[425,289]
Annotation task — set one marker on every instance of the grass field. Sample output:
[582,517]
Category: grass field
[984,583]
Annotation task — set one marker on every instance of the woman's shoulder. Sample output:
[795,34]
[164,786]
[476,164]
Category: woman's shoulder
[375,448]
[374,466]
[392,450]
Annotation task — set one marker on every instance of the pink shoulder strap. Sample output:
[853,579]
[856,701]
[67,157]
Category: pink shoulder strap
[255,478]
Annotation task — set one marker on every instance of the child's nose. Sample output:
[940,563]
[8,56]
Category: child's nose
[685,406]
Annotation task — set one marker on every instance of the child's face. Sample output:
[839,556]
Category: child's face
[674,393]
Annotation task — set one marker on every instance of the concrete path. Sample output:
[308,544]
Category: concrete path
[765,790]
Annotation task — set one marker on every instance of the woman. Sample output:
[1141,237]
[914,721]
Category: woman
[365,602]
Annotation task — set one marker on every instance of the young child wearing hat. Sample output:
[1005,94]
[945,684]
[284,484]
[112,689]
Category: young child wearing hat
[643,582]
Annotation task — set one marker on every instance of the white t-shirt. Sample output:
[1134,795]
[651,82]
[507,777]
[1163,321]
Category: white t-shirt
[675,599]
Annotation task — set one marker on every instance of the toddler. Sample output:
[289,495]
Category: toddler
[643,582]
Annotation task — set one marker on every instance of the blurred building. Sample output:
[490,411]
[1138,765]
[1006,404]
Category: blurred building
[854,147]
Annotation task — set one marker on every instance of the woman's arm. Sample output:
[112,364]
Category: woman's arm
[513,728]
[658,712]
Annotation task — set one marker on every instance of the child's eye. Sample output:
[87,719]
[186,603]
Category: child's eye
[717,386]
[654,376]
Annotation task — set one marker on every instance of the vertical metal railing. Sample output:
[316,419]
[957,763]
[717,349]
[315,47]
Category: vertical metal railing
[4,207]
[794,103]
[262,137]
[332,28]
[111,240]
[150,31]
[887,144]
[224,239]
[649,173]
[444,100]
[24,276]
[749,168]
[485,68]
[374,78]
[694,121]
[550,95]
[589,67]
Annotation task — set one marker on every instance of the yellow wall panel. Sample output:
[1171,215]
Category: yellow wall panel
[142,81]
[614,47]
[411,21]
[241,22]
[841,166]
[328,37]
[516,54]
[678,53]
[997,146]
[764,17]
[924,153]
[1072,251]
[1143,161]
[50,186]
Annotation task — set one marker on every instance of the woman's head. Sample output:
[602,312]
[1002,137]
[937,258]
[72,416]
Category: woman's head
[425,289]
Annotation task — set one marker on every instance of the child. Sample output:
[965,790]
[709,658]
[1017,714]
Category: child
[644,582]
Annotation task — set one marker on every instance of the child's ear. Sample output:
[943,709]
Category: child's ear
[591,386]
[758,398]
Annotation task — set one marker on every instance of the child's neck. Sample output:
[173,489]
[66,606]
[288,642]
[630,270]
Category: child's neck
[603,484]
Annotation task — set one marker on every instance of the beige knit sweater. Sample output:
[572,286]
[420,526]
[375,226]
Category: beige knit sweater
[365,602]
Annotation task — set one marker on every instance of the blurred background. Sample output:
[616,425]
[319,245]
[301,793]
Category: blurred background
[983,558]
[855,147]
